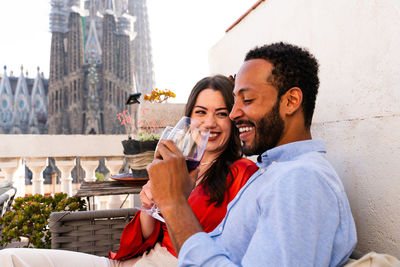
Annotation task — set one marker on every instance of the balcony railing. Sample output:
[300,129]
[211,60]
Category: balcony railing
[34,151]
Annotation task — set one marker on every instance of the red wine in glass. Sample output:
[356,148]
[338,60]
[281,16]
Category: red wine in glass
[192,164]
[192,142]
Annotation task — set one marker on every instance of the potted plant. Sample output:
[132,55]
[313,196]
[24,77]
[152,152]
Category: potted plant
[139,149]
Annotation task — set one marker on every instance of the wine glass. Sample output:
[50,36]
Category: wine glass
[192,141]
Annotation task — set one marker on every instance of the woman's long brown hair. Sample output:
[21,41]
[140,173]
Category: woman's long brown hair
[215,178]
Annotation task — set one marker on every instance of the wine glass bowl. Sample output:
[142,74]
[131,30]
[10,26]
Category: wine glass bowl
[191,141]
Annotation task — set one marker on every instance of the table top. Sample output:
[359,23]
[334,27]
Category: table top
[89,189]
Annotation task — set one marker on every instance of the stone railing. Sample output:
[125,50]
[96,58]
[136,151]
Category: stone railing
[34,151]
[16,151]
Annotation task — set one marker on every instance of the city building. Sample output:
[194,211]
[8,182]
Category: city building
[141,48]
[23,103]
[92,68]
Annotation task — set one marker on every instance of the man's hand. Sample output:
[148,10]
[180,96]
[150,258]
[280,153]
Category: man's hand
[171,186]
[170,180]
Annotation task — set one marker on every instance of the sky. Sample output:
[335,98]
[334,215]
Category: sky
[182,32]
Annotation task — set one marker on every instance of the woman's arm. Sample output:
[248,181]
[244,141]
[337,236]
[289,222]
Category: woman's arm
[146,221]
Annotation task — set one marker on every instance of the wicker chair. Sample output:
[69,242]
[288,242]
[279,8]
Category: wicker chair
[94,232]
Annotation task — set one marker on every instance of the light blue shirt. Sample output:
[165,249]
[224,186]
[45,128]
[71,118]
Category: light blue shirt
[292,212]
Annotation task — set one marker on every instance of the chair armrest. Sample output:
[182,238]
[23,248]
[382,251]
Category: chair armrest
[6,200]
[94,232]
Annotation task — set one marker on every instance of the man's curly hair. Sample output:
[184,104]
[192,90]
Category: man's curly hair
[293,67]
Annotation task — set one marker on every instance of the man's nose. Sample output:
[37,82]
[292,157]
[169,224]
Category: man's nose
[236,112]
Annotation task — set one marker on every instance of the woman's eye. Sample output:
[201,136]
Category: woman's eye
[200,112]
[222,114]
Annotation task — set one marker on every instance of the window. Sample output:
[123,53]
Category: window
[3,116]
[66,96]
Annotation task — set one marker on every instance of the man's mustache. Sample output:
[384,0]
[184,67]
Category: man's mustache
[244,122]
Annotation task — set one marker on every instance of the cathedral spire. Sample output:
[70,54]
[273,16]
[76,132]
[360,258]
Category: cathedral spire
[110,7]
[58,16]
[92,47]
[92,10]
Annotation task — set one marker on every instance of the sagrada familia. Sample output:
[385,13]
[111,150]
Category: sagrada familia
[97,58]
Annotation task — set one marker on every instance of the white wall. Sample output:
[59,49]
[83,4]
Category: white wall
[358,113]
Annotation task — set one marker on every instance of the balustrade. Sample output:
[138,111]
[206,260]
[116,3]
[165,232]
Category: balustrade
[37,166]
[16,151]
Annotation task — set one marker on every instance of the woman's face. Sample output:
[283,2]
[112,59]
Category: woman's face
[212,113]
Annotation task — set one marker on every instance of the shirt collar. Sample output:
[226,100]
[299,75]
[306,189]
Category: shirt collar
[291,150]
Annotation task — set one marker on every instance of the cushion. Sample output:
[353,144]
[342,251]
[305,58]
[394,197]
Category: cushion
[374,259]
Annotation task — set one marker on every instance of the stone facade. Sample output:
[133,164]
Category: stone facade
[91,70]
[23,104]
[141,48]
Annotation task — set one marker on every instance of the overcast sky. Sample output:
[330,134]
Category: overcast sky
[182,32]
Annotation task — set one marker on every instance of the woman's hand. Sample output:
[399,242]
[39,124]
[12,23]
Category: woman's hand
[146,197]
[146,221]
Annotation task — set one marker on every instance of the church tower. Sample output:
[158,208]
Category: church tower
[91,72]
[58,28]
[141,48]
[73,80]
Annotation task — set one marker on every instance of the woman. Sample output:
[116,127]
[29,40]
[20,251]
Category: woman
[222,172]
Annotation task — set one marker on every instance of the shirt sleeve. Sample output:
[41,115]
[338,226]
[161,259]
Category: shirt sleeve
[201,250]
[298,218]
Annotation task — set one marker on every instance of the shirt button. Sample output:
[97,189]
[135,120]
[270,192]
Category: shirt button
[262,170]
[220,229]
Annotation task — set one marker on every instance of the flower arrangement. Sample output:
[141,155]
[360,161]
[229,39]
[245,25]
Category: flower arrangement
[159,96]
[139,150]
[150,127]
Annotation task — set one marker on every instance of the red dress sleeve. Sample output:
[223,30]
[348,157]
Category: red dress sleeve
[132,243]
[209,215]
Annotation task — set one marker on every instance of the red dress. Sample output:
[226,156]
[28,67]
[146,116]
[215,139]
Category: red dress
[209,216]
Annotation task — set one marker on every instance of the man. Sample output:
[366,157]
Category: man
[293,211]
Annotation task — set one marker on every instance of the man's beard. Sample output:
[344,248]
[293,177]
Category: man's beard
[268,132]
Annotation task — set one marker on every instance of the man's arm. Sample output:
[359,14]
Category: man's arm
[171,185]
[297,225]
[181,224]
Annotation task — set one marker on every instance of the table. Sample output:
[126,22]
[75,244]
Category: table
[92,189]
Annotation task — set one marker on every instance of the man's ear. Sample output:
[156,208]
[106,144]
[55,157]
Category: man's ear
[291,101]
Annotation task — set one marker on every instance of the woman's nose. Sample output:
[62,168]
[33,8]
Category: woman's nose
[209,122]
